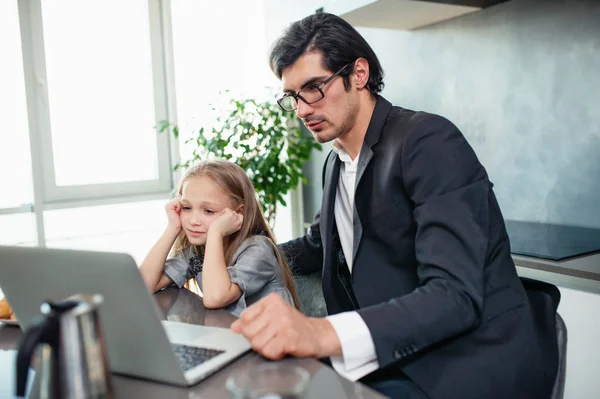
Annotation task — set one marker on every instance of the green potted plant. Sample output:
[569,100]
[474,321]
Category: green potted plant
[261,138]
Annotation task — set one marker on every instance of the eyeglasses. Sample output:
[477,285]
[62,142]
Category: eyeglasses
[310,94]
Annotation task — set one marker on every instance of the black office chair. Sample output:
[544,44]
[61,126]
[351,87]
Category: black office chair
[311,294]
[552,294]
[561,336]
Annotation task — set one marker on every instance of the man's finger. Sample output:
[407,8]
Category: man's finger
[262,338]
[236,326]
[252,312]
[274,349]
[252,328]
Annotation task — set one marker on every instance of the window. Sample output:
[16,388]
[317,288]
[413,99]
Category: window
[85,82]
[18,229]
[100,100]
[211,55]
[100,91]
[216,49]
[81,112]
[15,161]
[129,227]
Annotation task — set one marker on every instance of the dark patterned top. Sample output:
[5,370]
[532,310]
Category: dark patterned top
[196,265]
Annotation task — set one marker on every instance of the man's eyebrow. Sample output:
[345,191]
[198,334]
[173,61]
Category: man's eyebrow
[307,83]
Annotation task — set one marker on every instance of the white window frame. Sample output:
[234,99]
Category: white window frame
[48,196]
[30,15]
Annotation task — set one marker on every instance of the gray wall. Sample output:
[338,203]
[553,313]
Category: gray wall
[522,81]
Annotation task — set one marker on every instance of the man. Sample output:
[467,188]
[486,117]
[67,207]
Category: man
[421,290]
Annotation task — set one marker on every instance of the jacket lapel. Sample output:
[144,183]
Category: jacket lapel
[332,174]
[382,108]
[364,158]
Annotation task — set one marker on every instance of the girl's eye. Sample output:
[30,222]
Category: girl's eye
[186,208]
[208,211]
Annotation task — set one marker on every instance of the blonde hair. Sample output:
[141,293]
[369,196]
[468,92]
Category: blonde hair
[234,181]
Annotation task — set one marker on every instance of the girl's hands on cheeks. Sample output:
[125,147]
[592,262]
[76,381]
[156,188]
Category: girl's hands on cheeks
[228,223]
[173,209]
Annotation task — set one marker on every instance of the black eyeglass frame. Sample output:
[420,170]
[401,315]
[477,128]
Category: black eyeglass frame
[318,86]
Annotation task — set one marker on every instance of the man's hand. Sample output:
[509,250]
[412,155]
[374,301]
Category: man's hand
[275,329]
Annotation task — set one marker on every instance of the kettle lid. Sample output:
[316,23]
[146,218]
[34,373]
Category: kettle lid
[74,305]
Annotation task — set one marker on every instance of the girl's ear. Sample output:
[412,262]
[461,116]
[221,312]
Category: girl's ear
[240,210]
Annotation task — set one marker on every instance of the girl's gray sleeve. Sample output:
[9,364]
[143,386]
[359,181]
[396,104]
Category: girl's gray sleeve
[178,270]
[254,267]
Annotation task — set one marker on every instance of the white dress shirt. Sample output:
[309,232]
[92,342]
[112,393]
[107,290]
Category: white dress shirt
[358,350]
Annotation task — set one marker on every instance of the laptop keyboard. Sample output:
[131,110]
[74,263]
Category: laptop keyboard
[191,356]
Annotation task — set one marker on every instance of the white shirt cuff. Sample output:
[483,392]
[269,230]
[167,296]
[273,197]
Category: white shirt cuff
[358,350]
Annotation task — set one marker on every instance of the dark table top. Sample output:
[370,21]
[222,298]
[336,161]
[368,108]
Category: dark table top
[184,306]
[552,241]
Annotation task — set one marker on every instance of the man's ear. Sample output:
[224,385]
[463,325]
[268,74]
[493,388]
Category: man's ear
[361,72]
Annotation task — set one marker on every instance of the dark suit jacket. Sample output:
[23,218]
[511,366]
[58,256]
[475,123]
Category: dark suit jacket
[432,275]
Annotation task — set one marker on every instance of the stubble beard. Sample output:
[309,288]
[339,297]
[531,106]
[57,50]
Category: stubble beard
[348,122]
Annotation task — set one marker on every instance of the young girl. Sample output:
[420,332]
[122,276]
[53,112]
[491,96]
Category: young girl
[218,234]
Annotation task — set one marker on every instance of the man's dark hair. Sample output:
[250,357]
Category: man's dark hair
[335,39]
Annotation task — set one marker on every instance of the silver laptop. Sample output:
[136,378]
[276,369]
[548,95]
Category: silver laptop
[139,344]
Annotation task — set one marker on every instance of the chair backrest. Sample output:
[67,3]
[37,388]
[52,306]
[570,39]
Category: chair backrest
[311,294]
[542,287]
[545,297]
[561,337]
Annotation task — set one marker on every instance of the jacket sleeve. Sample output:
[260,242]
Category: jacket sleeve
[450,191]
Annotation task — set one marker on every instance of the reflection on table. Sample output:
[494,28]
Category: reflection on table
[184,306]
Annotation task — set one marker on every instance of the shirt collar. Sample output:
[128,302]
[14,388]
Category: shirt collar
[341,153]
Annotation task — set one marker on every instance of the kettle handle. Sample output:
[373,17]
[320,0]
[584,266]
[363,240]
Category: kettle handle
[43,330]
